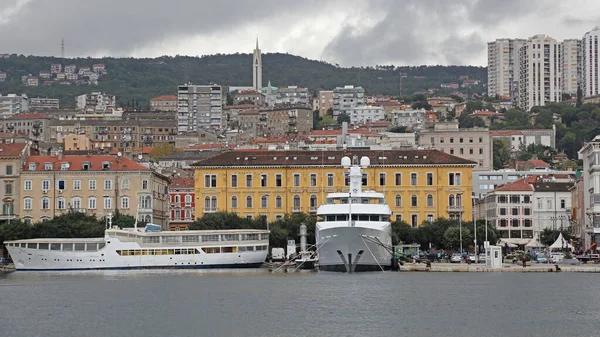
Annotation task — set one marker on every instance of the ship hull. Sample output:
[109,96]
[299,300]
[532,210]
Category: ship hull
[335,242]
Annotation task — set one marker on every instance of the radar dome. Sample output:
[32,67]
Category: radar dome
[365,162]
[346,162]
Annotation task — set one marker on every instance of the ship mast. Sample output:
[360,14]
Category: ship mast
[355,176]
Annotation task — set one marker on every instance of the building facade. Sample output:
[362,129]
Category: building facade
[503,65]
[293,95]
[419,185]
[486,181]
[346,98]
[367,114]
[199,107]
[38,104]
[590,154]
[35,126]
[323,102]
[95,184]
[409,118]
[96,102]
[590,60]
[12,158]
[13,104]
[473,144]
[164,103]
[182,203]
[570,60]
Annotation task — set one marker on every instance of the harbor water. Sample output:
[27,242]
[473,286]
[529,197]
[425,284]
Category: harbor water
[259,303]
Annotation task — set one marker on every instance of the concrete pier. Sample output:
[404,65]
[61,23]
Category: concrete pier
[533,268]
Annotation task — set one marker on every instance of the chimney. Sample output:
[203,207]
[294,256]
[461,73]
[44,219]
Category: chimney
[60,156]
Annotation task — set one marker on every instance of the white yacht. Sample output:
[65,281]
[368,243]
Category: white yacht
[353,231]
[135,248]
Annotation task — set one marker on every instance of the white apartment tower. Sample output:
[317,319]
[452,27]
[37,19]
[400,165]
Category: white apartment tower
[199,107]
[589,63]
[503,65]
[257,68]
[539,72]
[570,60]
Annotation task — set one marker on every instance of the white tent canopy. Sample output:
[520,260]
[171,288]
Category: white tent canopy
[504,242]
[561,243]
[534,243]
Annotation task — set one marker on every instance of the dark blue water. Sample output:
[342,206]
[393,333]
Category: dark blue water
[257,303]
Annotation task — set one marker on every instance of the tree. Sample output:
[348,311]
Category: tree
[402,232]
[569,145]
[326,120]
[316,119]
[548,236]
[343,117]
[161,151]
[229,99]
[452,237]
[421,105]
[398,129]
[501,152]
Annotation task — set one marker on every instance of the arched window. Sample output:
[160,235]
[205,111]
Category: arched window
[264,202]
[398,200]
[234,202]
[278,202]
[148,219]
[76,203]
[458,200]
[206,203]
[296,201]
[213,203]
[146,201]
[429,200]
[27,220]
[8,209]
[451,200]
[27,204]
[177,198]
[413,200]
[61,203]
[249,201]
[45,204]
[313,201]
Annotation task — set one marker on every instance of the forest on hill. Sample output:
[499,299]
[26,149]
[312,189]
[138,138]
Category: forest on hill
[140,79]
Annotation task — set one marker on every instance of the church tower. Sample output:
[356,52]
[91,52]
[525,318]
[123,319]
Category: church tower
[257,68]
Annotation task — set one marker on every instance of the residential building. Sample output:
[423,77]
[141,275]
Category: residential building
[486,181]
[70,69]
[12,158]
[45,74]
[539,72]
[253,97]
[366,114]
[570,60]
[76,142]
[487,116]
[99,68]
[293,95]
[183,203]
[473,144]
[553,205]
[2,76]
[13,104]
[419,185]
[590,61]
[38,103]
[35,126]
[518,138]
[199,107]
[32,81]
[55,68]
[413,118]
[164,103]
[346,98]
[257,68]
[398,141]
[323,102]
[286,119]
[590,154]
[96,102]
[94,184]
[578,210]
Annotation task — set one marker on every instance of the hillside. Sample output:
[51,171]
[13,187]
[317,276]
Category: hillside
[144,78]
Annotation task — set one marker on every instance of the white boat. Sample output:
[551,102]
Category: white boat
[143,249]
[354,231]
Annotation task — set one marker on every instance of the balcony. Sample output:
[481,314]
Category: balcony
[455,209]
[296,209]
[312,209]
[210,209]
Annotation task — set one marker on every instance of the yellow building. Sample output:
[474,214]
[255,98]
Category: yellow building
[419,184]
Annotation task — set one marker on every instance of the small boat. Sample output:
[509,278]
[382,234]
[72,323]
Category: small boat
[306,260]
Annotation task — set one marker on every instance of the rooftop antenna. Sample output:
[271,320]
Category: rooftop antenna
[62,47]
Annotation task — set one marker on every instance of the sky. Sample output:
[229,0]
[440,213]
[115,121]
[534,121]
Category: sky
[346,32]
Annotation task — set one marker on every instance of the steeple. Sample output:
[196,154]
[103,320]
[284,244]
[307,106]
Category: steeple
[257,42]
[257,68]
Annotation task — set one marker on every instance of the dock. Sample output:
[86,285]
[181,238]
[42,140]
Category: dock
[517,268]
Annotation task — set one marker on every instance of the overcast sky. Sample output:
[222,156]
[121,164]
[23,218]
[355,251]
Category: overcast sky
[347,32]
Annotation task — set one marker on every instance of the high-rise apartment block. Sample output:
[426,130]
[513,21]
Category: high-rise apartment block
[199,107]
[502,61]
[347,98]
[589,63]
[570,60]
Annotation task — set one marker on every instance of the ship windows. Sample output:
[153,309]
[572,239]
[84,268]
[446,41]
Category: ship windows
[67,247]
[229,250]
[229,237]
[210,238]
[250,237]
[212,250]
[79,246]
[55,246]
[43,246]
[134,252]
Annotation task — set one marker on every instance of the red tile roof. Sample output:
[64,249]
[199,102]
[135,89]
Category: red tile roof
[164,98]
[12,150]
[76,163]
[538,163]
[181,183]
[30,116]
[518,185]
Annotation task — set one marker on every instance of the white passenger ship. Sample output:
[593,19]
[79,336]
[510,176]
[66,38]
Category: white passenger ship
[354,231]
[144,248]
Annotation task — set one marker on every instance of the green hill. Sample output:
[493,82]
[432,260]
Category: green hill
[144,78]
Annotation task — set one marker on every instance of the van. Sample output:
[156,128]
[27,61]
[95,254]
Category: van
[278,254]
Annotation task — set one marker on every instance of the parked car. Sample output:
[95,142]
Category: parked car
[542,258]
[472,258]
[456,258]
[482,258]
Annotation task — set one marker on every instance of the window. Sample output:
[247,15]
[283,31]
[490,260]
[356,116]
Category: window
[462,151]
[414,220]
[470,151]
[45,185]
[61,185]
[188,199]
[234,202]
[451,200]
[234,180]
[263,180]
[480,151]
[249,201]
[502,211]
[48,166]
[514,223]
[429,200]
[460,140]
[27,185]
[108,184]
[481,139]
[92,203]
[213,203]
[210,180]
[313,201]
[27,203]
[413,200]
[454,179]
[76,203]
[563,204]
[278,202]
[76,185]
[144,184]
[124,202]
[107,203]
[451,140]
[515,211]
[539,203]
[365,179]
[429,179]
[442,140]
[329,179]
[398,179]
[124,183]
[146,201]
[413,179]
[381,179]
[264,201]
[296,180]
[398,200]
[177,199]
[458,200]
[313,179]
[60,203]
[549,204]
[248,180]
[429,217]
[92,184]
[45,203]
[8,188]
[527,223]
[526,211]
[9,170]
[296,201]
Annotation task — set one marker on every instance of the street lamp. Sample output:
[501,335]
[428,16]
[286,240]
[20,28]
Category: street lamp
[474,229]
[459,201]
